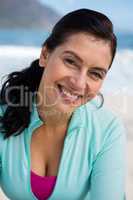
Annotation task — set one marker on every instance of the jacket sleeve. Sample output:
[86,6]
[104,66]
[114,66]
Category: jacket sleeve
[109,168]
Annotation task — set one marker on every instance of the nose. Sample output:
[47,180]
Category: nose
[79,82]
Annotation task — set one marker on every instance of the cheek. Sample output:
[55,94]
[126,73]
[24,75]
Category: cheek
[93,91]
[53,69]
[56,72]
[95,88]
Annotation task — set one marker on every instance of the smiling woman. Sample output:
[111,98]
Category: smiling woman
[76,70]
[53,138]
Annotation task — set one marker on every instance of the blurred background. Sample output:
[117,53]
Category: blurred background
[24,25]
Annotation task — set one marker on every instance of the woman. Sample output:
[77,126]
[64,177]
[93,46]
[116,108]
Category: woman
[56,143]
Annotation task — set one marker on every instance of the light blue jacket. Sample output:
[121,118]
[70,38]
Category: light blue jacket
[92,165]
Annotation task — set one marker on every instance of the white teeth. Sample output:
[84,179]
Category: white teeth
[73,97]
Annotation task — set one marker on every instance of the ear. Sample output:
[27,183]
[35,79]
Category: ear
[43,57]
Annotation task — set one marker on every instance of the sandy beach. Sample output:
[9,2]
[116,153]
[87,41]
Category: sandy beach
[122,105]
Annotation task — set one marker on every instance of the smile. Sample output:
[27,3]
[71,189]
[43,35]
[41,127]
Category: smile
[67,94]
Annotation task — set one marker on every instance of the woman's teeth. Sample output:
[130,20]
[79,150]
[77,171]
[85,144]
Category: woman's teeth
[74,97]
[69,95]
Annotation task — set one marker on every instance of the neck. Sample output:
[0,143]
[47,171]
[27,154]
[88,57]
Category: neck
[55,123]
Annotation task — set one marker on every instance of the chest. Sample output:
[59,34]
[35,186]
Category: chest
[74,168]
[45,155]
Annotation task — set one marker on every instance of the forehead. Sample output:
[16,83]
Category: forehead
[91,50]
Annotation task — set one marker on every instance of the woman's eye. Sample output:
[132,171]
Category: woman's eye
[96,75]
[70,61]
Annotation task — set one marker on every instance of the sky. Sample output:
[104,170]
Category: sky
[119,11]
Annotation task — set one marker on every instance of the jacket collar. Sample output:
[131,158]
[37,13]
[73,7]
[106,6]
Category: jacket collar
[77,120]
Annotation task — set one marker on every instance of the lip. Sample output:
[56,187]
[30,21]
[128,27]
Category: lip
[66,98]
[70,90]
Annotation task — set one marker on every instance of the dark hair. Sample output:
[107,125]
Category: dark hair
[15,119]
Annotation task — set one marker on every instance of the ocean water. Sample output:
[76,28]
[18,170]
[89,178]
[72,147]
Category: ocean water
[19,48]
[22,37]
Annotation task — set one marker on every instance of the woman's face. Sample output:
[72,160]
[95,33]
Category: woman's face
[74,72]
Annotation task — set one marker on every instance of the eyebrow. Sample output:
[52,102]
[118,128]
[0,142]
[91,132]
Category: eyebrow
[75,55]
[81,61]
[99,69]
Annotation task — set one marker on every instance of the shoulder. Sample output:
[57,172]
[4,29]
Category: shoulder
[102,125]
[103,117]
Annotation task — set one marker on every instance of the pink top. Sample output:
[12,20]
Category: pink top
[42,187]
